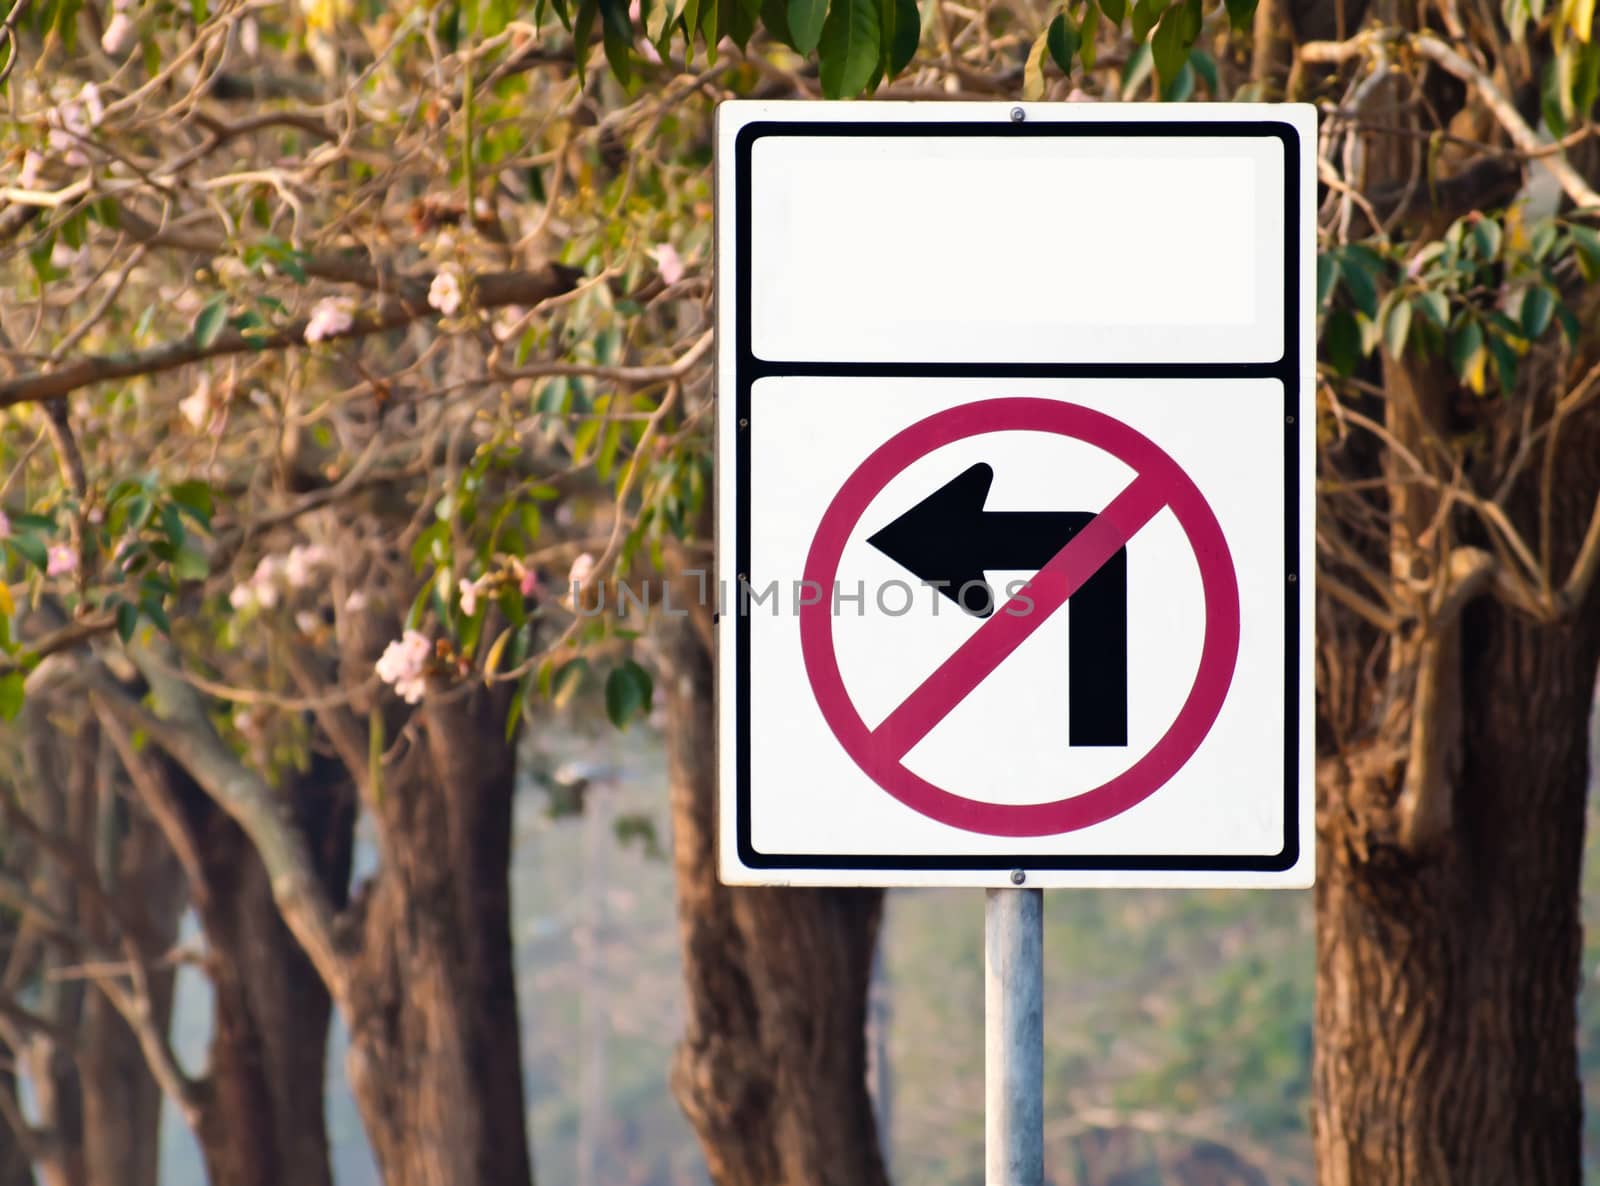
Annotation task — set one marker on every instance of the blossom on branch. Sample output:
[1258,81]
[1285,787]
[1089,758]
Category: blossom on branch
[403,664]
[330,317]
[445,293]
[60,560]
[668,262]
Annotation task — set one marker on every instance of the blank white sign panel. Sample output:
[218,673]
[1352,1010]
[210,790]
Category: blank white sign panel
[974,250]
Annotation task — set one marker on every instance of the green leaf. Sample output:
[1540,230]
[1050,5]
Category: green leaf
[1180,88]
[1341,341]
[1190,27]
[1505,363]
[12,687]
[628,692]
[1327,276]
[1033,68]
[1397,326]
[1569,324]
[848,48]
[1145,15]
[1206,67]
[1434,307]
[1087,33]
[617,33]
[1240,13]
[194,497]
[1063,40]
[1587,245]
[1538,307]
[1115,10]
[564,683]
[152,608]
[1487,238]
[30,549]
[1136,70]
[209,322]
[1359,283]
[127,619]
[514,713]
[1515,15]
[190,565]
[583,35]
[1168,47]
[805,23]
[1542,239]
[1586,78]
[737,19]
[902,33]
[1465,345]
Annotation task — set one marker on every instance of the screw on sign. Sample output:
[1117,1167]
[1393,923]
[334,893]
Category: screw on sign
[1089,561]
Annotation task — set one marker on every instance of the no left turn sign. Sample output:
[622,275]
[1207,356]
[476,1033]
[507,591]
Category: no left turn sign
[1016,573]
[1085,555]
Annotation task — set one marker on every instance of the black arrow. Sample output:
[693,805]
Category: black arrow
[948,541]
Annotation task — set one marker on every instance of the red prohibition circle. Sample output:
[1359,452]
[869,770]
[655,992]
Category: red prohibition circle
[1159,483]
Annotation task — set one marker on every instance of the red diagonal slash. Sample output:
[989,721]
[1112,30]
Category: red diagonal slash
[987,647]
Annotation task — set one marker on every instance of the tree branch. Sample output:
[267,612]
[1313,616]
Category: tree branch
[489,291]
[1505,112]
[180,726]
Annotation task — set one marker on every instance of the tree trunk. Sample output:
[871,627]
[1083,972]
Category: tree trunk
[261,1119]
[1447,987]
[98,1104]
[435,1045]
[15,1169]
[1447,976]
[121,1099]
[772,1067]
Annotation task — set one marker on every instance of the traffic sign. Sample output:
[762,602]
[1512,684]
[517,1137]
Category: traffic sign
[1014,494]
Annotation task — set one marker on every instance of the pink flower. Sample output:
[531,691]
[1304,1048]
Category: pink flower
[92,103]
[69,127]
[302,563]
[5,525]
[578,575]
[469,597]
[668,262]
[529,585]
[60,560]
[444,294]
[356,602]
[330,317]
[119,36]
[403,665]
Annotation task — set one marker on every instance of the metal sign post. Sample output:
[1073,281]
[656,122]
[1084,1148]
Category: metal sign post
[913,406]
[1013,994]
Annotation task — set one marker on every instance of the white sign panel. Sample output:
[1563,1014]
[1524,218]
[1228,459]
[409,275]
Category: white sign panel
[1015,494]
